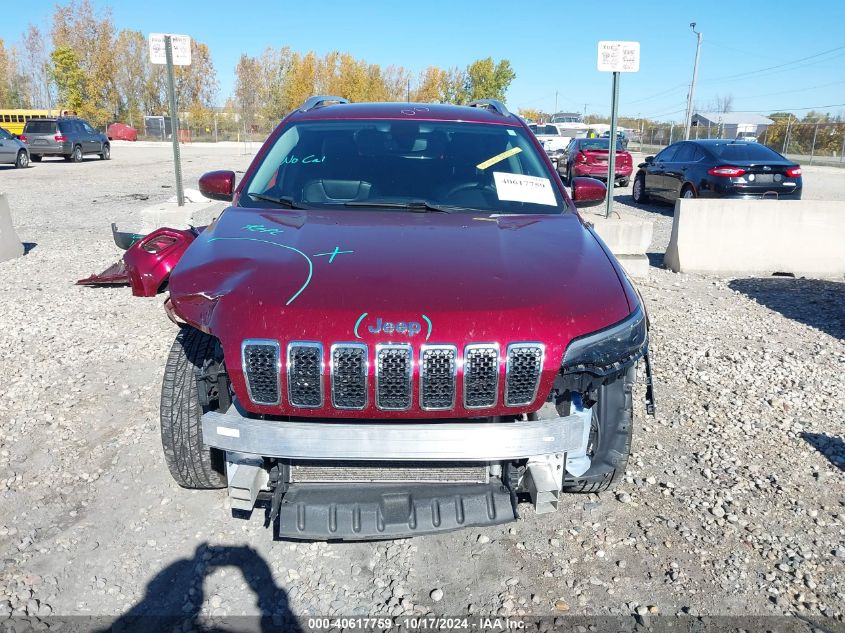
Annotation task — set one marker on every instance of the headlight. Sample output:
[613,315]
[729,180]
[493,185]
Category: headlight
[606,351]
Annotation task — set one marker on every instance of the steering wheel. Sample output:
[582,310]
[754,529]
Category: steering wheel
[467,186]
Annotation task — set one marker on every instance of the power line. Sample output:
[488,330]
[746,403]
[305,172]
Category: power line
[786,92]
[768,68]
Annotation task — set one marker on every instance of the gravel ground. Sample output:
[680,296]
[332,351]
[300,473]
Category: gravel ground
[733,503]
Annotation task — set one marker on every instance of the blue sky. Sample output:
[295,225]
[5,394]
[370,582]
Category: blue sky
[766,55]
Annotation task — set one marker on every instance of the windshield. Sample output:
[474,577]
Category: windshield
[366,163]
[599,143]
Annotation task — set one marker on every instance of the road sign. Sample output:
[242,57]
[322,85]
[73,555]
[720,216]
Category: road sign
[181,45]
[619,57]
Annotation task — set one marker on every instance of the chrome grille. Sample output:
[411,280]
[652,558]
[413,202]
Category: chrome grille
[349,375]
[481,376]
[524,366]
[261,367]
[394,368]
[438,374]
[305,374]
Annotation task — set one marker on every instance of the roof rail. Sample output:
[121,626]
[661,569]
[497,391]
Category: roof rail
[320,101]
[490,104]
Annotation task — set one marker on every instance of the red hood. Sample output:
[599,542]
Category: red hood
[314,275]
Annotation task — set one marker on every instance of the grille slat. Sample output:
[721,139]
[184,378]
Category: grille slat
[524,367]
[349,375]
[438,374]
[481,376]
[305,374]
[261,367]
[394,369]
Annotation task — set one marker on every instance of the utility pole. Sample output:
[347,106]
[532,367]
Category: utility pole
[555,103]
[691,95]
[786,136]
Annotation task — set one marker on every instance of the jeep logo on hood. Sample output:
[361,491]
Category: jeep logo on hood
[379,325]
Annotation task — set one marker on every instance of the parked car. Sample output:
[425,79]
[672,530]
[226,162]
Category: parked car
[717,168]
[589,156]
[364,343]
[69,137]
[554,137]
[748,138]
[121,132]
[621,136]
[13,150]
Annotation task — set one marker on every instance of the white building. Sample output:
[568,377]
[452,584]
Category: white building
[728,124]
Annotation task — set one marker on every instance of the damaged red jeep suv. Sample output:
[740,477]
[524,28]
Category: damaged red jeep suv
[401,325]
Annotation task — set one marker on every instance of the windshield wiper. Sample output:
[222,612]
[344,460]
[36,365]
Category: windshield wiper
[417,206]
[282,201]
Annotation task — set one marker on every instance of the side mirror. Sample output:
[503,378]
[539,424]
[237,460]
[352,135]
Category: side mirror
[218,185]
[588,192]
[649,159]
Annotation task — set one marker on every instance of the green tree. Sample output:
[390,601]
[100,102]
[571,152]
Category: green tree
[67,74]
[488,80]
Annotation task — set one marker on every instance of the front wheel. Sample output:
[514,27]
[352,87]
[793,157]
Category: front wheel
[106,153]
[624,182]
[611,434]
[638,193]
[191,463]
[22,160]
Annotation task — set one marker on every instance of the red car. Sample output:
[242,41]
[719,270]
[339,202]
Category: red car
[400,325]
[122,132]
[589,156]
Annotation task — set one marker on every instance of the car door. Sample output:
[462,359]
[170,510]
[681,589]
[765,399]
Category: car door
[92,138]
[675,170]
[655,184]
[567,157]
[8,148]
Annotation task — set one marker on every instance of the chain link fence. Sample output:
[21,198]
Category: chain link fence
[806,143]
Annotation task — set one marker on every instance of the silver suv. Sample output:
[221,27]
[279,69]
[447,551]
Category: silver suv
[69,137]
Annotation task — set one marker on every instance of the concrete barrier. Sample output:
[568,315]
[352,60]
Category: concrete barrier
[170,214]
[10,243]
[628,239]
[803,237]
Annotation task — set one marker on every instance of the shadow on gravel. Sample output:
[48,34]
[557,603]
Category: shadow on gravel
[815,302]
[830,446]
[661,208]
[175,596]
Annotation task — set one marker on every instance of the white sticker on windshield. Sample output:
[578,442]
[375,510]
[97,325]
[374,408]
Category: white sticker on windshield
[520,188]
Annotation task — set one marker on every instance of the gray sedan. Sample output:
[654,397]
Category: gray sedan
[12,150]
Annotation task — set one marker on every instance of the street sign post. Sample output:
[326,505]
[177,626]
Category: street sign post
[173,50]
[616,57]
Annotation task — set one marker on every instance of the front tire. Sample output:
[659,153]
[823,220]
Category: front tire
[610,437]
[191,463]
[22,161]
[638,193]
[106,153]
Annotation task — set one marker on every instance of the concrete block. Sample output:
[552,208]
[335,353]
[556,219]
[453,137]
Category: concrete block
[637,266]
[170,214]
[10,243]
[803,237]
[624,236]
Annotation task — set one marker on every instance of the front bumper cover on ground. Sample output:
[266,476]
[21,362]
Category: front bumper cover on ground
[374,511]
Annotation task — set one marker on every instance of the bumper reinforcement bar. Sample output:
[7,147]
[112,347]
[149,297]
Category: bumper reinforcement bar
[407,441]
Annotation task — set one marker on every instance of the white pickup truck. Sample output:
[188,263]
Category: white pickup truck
[554,137]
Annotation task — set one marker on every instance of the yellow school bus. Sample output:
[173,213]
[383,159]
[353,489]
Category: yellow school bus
[14,120]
